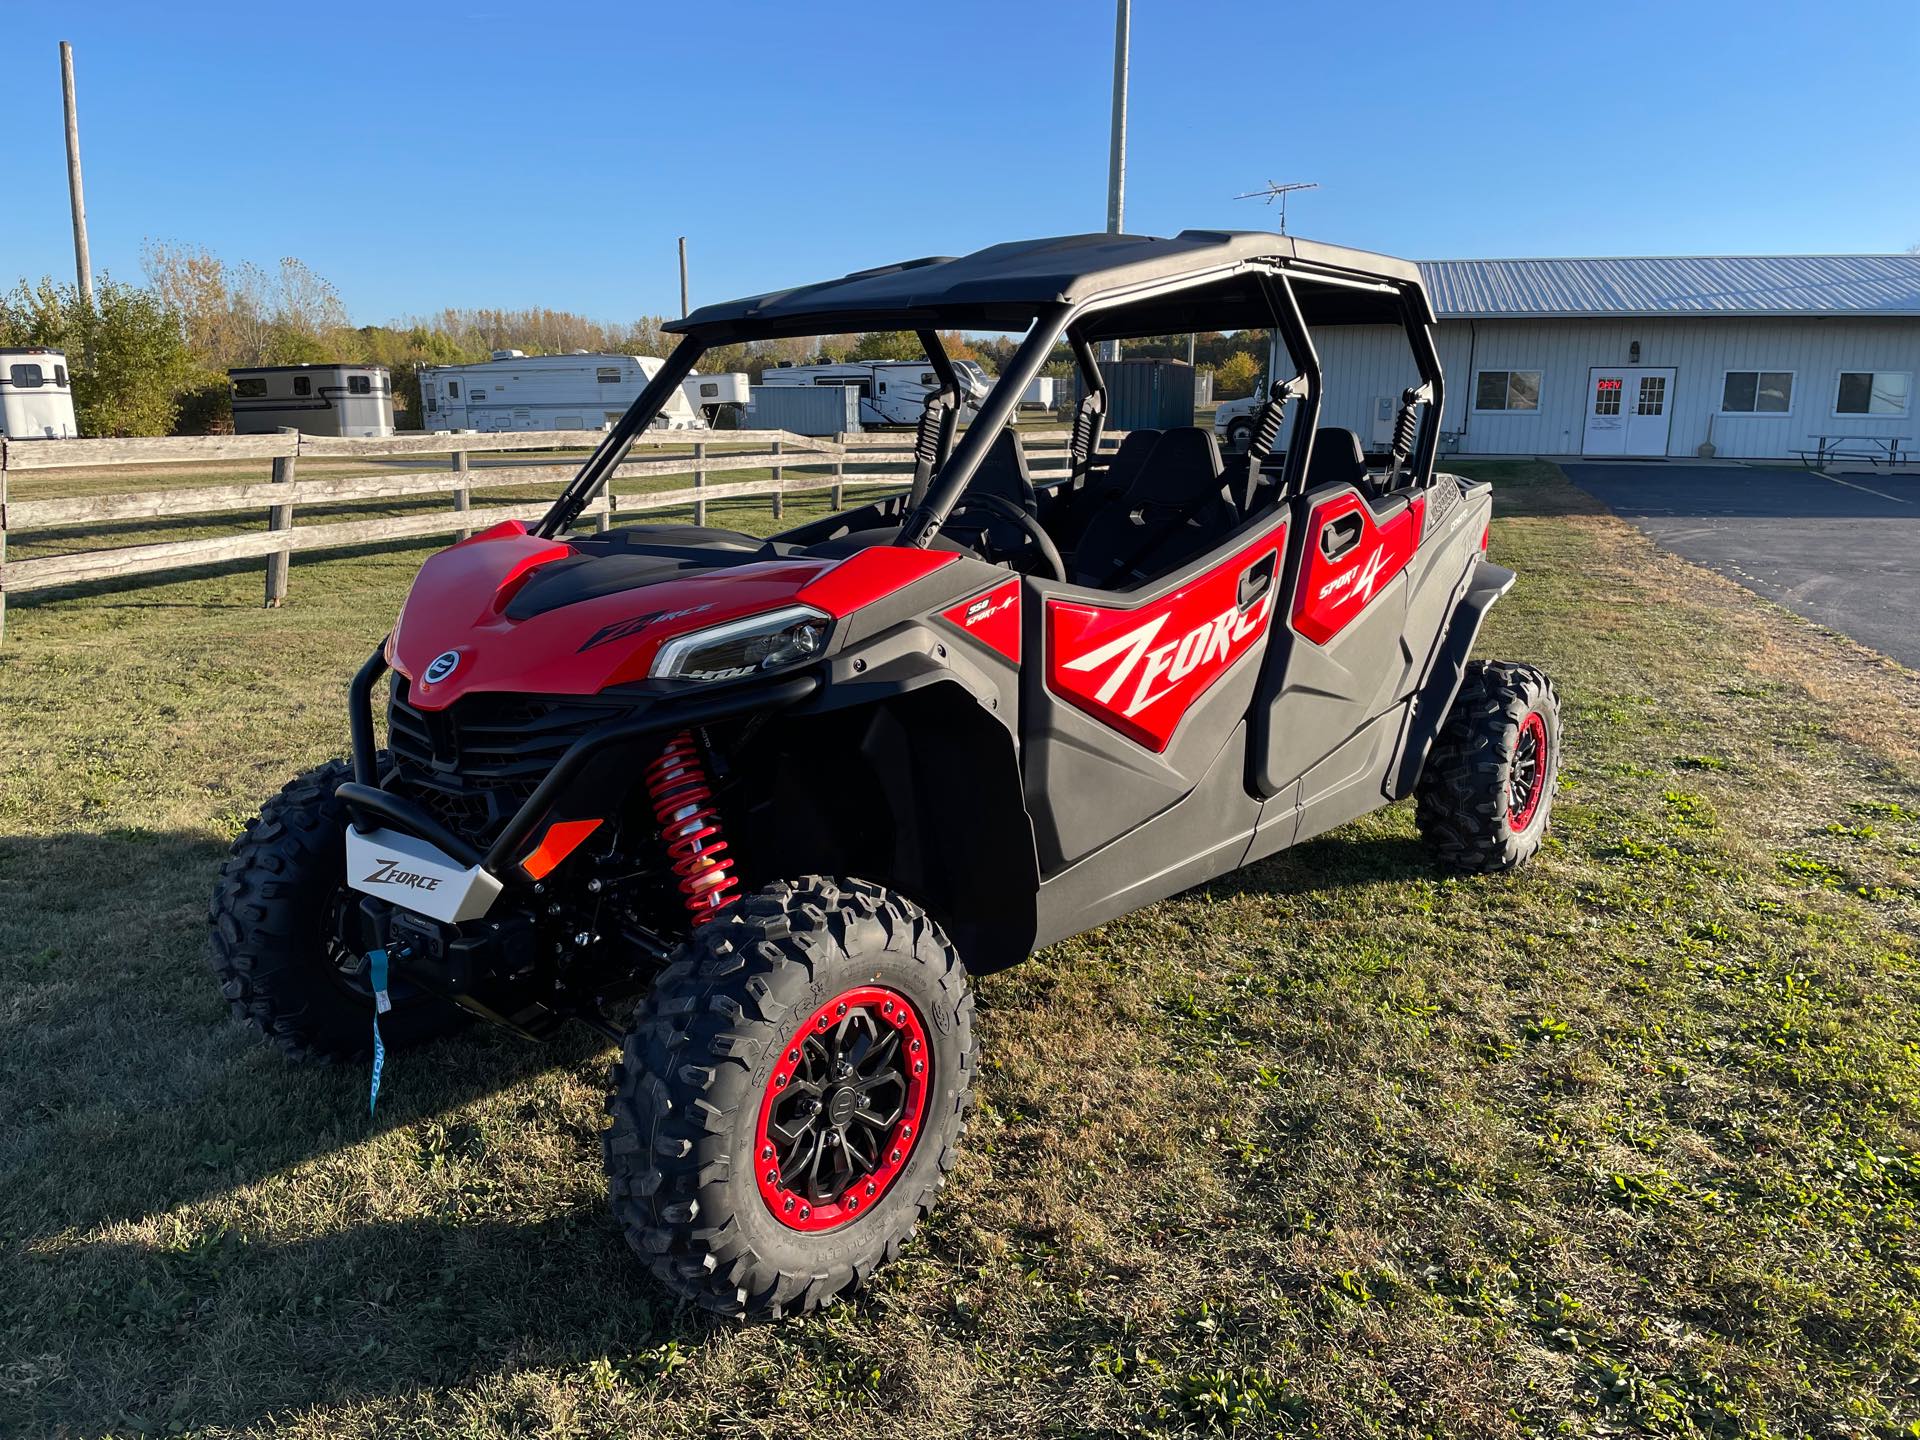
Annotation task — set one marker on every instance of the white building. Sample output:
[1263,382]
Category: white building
[36,396]
[514,391]
[1758,356]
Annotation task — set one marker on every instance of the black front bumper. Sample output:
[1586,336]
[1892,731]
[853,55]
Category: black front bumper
[650,715]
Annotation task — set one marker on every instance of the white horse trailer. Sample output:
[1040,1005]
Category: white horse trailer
[892,392]
[513,391]
[313,399]
[36,398]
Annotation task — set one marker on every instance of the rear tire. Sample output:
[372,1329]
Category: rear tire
[707,1156]
[274,939]
[1485,796]
[1240,436]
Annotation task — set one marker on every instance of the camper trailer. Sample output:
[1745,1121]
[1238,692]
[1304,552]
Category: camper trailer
[36,399]
[313,399]
[892,392]
[516,391]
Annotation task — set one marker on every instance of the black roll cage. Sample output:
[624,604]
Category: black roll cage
[953,467]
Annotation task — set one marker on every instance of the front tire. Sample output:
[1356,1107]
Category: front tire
[791,1097]
[1485,796]
[275,934]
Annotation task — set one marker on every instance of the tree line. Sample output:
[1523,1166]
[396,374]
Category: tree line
[151,359]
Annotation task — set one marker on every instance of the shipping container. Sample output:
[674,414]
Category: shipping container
[1146,394]
[803,409]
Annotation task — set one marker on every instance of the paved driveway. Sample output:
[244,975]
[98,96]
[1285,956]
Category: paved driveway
[1844,552]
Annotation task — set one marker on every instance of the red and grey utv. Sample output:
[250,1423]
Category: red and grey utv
[791,794]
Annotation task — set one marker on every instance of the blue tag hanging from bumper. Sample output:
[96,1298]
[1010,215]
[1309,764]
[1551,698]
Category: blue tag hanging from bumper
[377,973]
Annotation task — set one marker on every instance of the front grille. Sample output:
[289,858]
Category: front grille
[475,763]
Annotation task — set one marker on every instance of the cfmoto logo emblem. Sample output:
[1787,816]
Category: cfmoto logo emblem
[443,665]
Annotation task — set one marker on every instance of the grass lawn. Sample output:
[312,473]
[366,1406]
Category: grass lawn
[1625,1143]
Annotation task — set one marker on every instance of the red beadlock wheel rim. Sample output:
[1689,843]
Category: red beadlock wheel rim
[842,1109]
[1527,773]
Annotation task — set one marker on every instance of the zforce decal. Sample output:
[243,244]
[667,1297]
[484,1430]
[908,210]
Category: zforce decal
[634,624]
[1140,670]
[1331,593]
[387,871]
[992,618]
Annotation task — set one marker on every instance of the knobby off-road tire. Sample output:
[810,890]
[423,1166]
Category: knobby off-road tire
[1485,796]
[733,1031]
[273,942]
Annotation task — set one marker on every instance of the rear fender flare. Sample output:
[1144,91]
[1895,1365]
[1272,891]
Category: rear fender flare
[1485,584]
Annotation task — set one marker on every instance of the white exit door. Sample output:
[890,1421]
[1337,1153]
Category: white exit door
[1629,411]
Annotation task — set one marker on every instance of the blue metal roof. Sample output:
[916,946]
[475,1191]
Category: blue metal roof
[1675,285]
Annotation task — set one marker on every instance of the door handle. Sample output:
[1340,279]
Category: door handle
[1255,580]
[1337,537]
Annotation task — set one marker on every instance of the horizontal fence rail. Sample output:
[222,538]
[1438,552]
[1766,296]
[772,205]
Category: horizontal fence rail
[796,463]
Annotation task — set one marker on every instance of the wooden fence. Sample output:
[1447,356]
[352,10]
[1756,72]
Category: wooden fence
[822,463]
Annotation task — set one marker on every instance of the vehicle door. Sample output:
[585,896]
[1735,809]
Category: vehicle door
[1135,699]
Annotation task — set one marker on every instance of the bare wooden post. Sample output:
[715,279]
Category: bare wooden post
[462,497]
[280,517]
[603,522]
[3,538]
[779,500]
[699,480]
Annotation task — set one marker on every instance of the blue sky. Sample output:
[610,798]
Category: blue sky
[467,152]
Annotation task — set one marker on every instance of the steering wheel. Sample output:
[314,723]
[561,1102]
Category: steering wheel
[1007,510]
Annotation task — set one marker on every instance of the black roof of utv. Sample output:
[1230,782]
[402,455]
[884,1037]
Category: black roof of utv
[1004,286]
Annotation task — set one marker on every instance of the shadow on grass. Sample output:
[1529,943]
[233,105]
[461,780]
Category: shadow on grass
[230,1330]
[128,1088]
[1339,860]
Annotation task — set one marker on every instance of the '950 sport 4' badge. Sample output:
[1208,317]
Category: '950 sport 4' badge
[443,665]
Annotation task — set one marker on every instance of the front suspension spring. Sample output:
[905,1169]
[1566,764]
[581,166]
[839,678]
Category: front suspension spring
[690,827]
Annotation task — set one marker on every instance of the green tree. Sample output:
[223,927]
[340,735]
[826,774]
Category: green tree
[126,352]
[1233,377]
[888,345]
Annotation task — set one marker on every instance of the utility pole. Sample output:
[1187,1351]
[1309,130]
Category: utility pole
[684,306]
[81,262]
[1117,151]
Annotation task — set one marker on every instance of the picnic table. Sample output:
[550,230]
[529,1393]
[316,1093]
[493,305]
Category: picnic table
[1876,450]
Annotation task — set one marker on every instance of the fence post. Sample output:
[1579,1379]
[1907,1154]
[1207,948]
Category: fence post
[463,496]
[779,500]
[699,480]
[3,538]
[280,517]
[839,473]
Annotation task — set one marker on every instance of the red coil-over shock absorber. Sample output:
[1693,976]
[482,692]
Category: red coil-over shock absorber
[682,796]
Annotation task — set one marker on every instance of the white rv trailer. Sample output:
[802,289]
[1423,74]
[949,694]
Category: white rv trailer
[36,397]
[892,392]
[515,391]
[313,399]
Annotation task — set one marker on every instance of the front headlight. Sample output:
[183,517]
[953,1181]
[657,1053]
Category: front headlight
[744,647]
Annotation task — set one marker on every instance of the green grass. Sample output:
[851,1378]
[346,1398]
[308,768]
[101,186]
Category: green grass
[1622,1144]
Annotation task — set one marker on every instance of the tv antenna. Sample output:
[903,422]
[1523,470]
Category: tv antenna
[1276,191]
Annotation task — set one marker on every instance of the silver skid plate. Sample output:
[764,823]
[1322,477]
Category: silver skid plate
[416,876]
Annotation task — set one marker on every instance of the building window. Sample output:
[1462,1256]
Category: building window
[1757,392]
[302,385]
[28,377]
[607,374]
[1873,392]
[1507,390]
[453,389]
[1653,395]
[254,388]
[359,385]
[1606,395]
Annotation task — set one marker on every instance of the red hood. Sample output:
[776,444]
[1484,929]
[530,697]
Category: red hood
[459,600]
